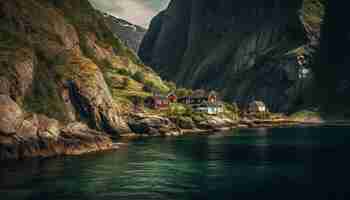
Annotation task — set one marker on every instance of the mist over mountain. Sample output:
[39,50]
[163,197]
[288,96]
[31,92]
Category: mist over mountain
[138,12]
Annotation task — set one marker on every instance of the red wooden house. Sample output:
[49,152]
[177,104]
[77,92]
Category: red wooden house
[172,98]
[157,102]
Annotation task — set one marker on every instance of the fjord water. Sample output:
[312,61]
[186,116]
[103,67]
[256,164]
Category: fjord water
[284,163]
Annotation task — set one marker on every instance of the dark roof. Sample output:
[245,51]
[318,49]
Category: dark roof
[258,103]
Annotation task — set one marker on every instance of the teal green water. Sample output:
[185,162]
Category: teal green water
[289,163]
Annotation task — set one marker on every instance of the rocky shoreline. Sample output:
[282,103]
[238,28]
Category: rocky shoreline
[156,126]
[25,135]
[28,135]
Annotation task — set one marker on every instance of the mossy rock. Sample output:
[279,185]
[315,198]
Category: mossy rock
[306,115]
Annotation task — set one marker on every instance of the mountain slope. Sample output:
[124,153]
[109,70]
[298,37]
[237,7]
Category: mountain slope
[130,34]
[59,67]
[332,67]
[245,49]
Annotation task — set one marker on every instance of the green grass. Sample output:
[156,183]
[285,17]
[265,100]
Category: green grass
[305,114]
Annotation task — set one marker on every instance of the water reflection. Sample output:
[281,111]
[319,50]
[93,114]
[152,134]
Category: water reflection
[291,163]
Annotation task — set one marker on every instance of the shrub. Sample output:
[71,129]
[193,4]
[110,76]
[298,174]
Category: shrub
[305,114]
[171,85]
[189,111]
[139,77]
[176,110]
[183,92]
[124,72]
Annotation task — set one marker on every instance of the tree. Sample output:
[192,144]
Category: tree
[171,85]
[139,77]
[182,92]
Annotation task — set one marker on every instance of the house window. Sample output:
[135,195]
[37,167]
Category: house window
[304,73]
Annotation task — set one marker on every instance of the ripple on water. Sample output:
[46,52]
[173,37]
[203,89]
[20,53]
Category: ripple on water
[305,163]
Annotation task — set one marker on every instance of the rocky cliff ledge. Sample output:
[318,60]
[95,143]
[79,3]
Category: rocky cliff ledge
[332,68]
[24,135]
[246,49]
[53,80]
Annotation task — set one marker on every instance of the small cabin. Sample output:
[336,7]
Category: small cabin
[208,108]
[199,97]
[212,97]
[157,102]
[257,107]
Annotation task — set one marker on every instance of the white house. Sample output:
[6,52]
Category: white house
[211,109]
[257,107]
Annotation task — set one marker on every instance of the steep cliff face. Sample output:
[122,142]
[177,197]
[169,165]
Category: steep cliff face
[40,48]
[332,68]
[130,34]
[58,64]
[245,49]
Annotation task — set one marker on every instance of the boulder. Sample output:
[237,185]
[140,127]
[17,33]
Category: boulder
[11,116]
[48,128]
[83,133]
[28,130]
[215,122]
[184,122]
[151,125]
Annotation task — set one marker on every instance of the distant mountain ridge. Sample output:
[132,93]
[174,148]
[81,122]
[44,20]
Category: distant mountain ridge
[130,34]
[246,49]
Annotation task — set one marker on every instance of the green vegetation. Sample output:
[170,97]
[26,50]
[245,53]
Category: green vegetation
[313,12]
[45,98]
[306,114]
[231,111]
[139,77]
[155,84]
[171,85]
[182,92]
[176,109]
[123,72]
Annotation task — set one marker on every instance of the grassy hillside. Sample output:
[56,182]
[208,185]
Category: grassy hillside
[313,12]
[65,41]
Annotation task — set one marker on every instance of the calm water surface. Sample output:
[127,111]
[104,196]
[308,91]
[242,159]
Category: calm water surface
[290,163]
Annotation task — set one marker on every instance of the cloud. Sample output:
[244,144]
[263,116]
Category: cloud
[139,12]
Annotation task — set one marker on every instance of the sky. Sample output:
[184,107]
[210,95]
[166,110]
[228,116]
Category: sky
[139,12]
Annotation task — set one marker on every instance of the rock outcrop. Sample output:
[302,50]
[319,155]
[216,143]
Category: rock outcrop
[11,116]
[51,61]
[52,77]
[245,49]
[152,125]
[24,136]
